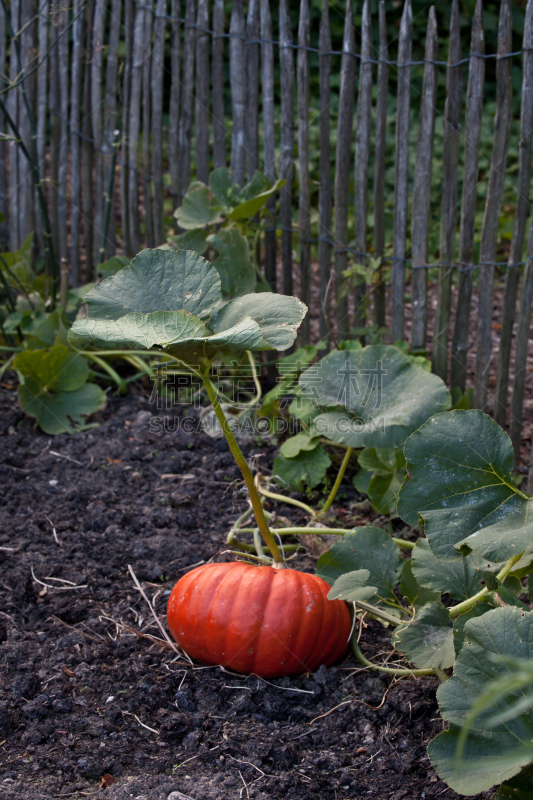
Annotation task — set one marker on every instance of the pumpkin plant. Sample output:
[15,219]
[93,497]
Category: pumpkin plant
[458,601]
[262,617]
[365,400]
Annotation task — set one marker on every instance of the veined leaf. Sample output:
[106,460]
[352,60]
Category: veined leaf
[162,328]
[492,753]
[461,488]
[460,579]
[385,398]
[278,317]
[427,641]
[169,280]
[158,280]
[364,548]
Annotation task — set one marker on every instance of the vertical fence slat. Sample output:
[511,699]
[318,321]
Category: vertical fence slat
[303,161]
[187,97]
[489,233]
[75,101]
[324,193]
[12,108]
[110,124]
[379,165]
[126,92]
[342,167]
[98,25]
[26,120]
[201,118]
[236,69]
[63,61]
[362,155]
[146,114]
[474,110]
[422,187]
[522,203]
[401,173]
[41,111]
[87,149]
[4,226]
[522,346]
[286,158]
[450,160]
[134,123]
[251,60]
[217,81]
[269,145]
[174,103]
[55,135]
[158,64]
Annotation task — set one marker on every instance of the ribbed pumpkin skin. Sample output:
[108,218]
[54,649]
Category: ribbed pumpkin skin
[272,622]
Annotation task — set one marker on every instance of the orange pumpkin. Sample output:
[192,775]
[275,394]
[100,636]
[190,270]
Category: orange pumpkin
[272,622]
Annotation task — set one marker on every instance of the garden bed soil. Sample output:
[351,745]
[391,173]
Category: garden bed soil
[89,708]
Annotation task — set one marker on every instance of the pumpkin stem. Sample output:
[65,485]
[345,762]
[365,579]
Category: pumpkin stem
[246,472]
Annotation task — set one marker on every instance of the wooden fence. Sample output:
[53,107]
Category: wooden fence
[107,105]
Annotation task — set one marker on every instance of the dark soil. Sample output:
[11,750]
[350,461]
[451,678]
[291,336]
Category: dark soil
[88,707]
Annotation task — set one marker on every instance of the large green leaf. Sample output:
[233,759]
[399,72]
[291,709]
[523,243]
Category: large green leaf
[493,753]
[308,468]
[278,317]
[198,208]
[364,548]
[427,641]
[461,488]
[158,280]
[177,282]
[233,264]
[162,328]
[460,579]
[383,396]
[53,389]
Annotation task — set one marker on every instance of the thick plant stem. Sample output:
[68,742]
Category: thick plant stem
[468,604]
[400,673]
[246,472]
[338,481]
